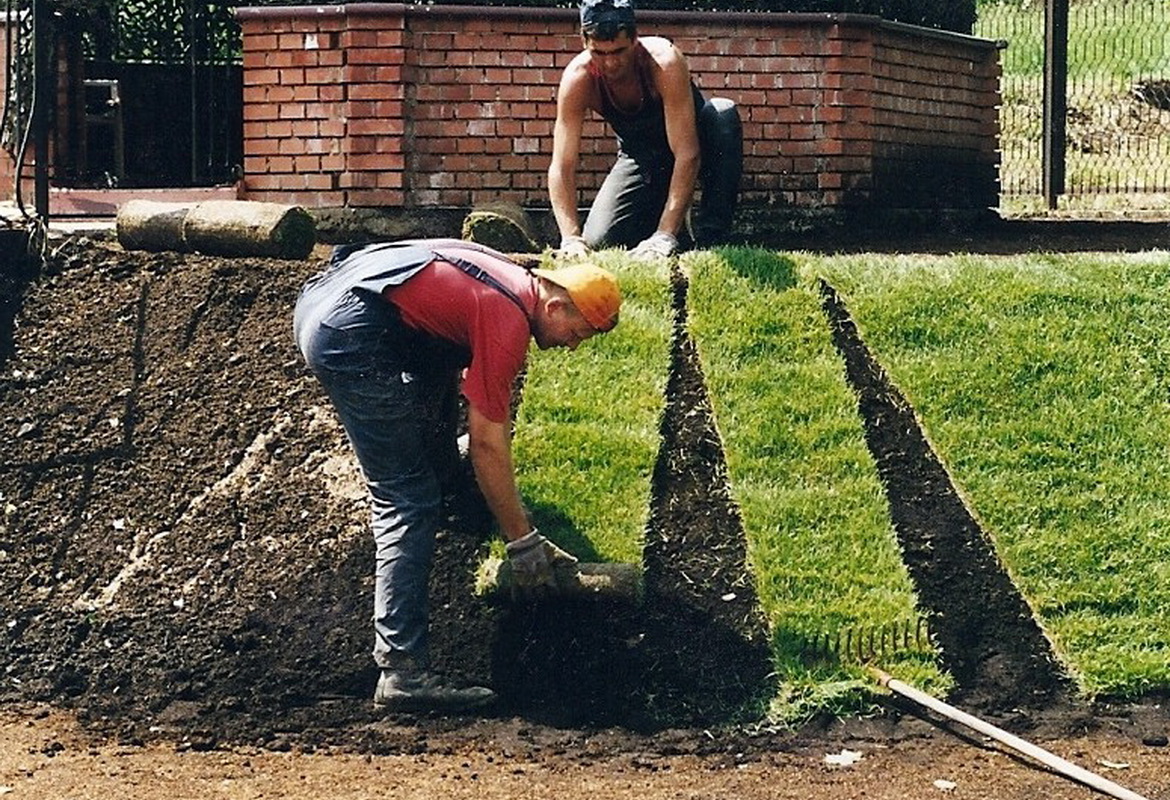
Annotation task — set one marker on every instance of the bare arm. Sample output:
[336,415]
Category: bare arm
[674,84]
[491,456]
[562,171]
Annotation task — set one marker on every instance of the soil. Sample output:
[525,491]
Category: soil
[185,577]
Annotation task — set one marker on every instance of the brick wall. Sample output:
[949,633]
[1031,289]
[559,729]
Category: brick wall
[392,105]
[64,114]
[7,166]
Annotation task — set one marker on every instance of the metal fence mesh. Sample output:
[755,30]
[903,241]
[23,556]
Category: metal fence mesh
[1118,122]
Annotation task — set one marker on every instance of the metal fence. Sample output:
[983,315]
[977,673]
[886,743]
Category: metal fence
[179,114]
[147,93]
[1116,126]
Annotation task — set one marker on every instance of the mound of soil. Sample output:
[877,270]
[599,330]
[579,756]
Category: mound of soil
[185,542]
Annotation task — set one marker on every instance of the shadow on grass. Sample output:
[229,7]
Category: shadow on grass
[989,639]
[765,267]
[549,517]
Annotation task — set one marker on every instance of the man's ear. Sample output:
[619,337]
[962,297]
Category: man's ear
[555,303]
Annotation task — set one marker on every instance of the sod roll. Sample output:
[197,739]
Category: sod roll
[246,228]
[151,225]
[217,227]
[612,582]
[501,226]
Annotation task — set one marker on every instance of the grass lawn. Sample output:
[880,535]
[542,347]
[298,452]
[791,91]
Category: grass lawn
[587,433]
[1044,382]
[819,535]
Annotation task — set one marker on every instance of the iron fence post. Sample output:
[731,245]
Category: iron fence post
[1055,97]
[43,95]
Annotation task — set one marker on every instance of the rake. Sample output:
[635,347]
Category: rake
[869,643]
[865,644]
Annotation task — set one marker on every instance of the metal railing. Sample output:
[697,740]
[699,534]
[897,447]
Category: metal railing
[1115,125]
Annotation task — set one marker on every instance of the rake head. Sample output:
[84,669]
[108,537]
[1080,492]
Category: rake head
[865,644]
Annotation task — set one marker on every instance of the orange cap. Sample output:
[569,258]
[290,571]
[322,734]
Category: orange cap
[593,290]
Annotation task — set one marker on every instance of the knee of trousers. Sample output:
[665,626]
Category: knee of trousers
[413,500]
[719,120]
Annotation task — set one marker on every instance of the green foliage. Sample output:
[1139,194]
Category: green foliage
[156,31]
[1044,382]
[587,433]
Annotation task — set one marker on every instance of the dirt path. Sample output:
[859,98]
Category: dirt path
[46,754]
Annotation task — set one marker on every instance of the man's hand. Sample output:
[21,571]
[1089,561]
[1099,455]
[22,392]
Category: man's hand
[573,247]
[659,245]
[533,559]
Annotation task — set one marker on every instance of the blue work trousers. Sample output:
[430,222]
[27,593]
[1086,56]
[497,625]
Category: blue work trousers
[364,369]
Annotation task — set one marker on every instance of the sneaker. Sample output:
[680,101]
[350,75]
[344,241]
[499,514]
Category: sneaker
[421,690]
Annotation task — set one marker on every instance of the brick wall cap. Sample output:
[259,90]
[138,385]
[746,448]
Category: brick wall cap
[779,18]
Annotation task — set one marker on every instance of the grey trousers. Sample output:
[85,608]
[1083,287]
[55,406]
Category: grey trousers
[382,406]
[630,201]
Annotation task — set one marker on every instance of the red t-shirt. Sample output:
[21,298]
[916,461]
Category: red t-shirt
[446,302]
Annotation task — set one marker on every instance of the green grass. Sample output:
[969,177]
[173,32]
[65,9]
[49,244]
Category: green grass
[587,431]
[820,541]
[1044,382]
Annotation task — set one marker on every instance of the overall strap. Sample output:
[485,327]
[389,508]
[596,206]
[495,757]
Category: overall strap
[483,276]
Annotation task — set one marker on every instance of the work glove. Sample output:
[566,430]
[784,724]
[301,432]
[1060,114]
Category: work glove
[659,245]
[533,559]
[573,246]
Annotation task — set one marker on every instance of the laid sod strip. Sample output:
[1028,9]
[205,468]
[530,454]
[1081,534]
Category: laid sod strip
[819,536]
[1043,382]
[587,430]
[989,641]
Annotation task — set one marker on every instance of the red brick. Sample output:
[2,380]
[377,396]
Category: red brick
[375,56]
[376,162]
[279,94]
[305,58]
[306,94]
[484,100]
[377,127]
[260,77]
[256,112]
[259,42]
[278,59]
[375,91]
[372,73]
[278,164]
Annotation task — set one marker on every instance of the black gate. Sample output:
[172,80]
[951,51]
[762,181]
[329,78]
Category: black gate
[162,94]
[143,93]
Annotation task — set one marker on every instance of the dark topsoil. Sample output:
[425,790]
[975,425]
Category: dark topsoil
[184,552]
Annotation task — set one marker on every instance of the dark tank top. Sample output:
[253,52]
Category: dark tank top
[641,132]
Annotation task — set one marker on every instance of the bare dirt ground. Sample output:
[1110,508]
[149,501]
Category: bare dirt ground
[47,754]
[185,577]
